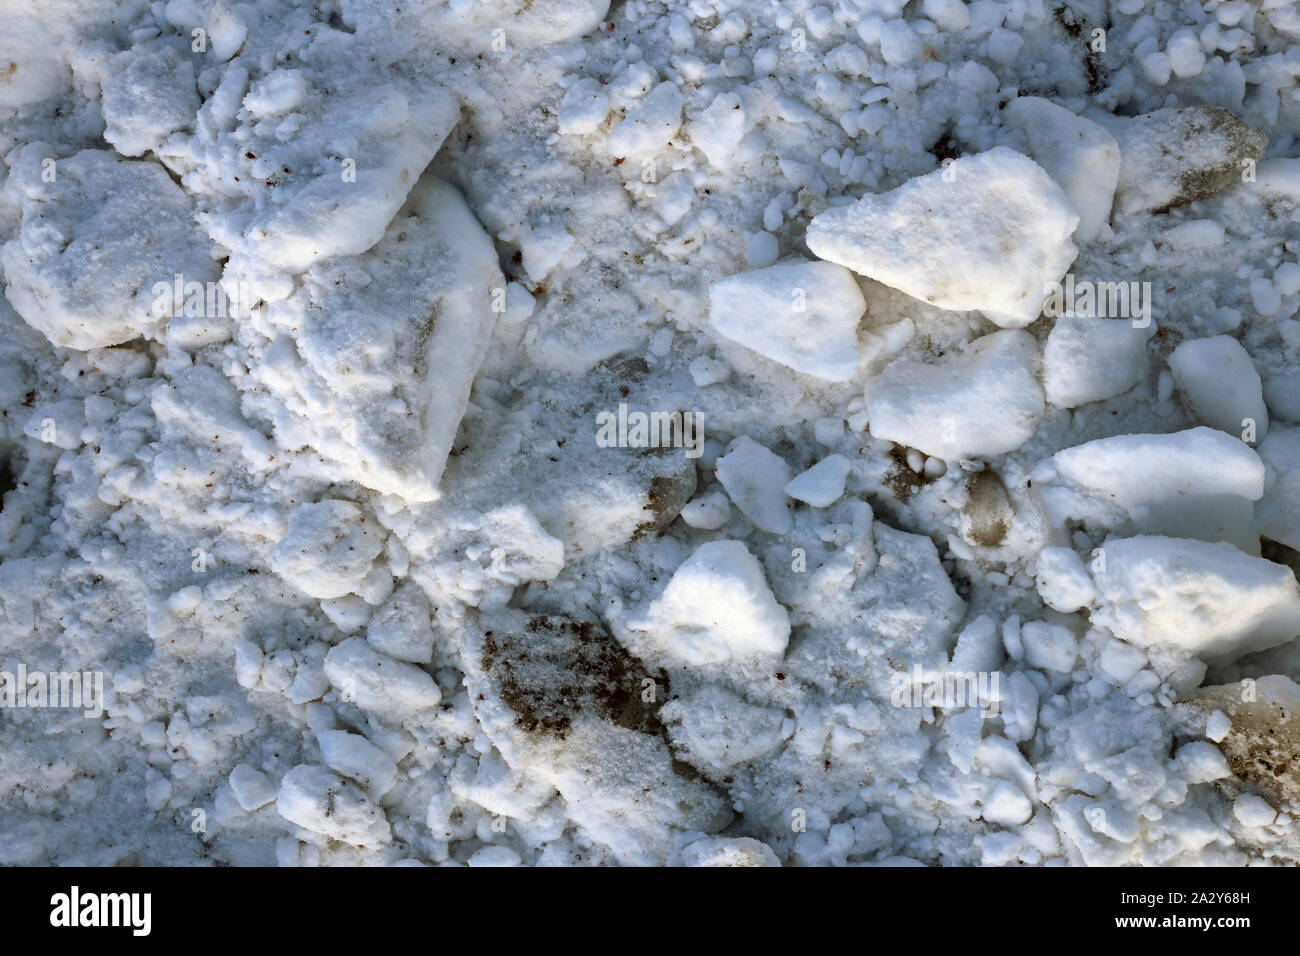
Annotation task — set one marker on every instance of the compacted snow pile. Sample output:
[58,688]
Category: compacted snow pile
[718,433]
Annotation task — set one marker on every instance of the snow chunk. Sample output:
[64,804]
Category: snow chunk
[354,756]
[801,314]
[1063,581]
[987,232]
[1080,155]
[650,123]
[1201,762]
[401,628]
[1174,156]
[315,799]
[1088,360]
[982,402]
[1048,646]
[823,484]
[1278,512]
[1253,811]
[83,268]
[328,549]
[584,108]
[376,681]
[728,851]
[1221,384]
[1207,597]
[149,94]
[718,130]
[717,609]
[251,787]
[755,479]
[1198,483]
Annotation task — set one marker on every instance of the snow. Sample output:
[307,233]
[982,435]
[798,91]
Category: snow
[823,484]
[716,609]
[982,402]
[1091,359]
[313,329]
[1081,156]
[803,315]
[954,237]
[755,480]
[1208,598]
[1220,382]
[1196,483]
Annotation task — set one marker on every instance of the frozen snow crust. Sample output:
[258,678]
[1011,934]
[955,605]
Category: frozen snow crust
[712,433]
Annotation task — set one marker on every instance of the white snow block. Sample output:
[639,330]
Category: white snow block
[328,548]
[650,123]
[1209,598]
[987,232]
[332,215]
[728,851]
[1080,155]
[755,481]
[87,264]
[801,314]
[317,800]
[1090,359]
[1171,157]
[354,756]
[251,787]
[1220,383]
[823,484]
[982,402]
[716,610]
[1198,483]
[1063,582]
[376,372]
[1277,513]
[377,682]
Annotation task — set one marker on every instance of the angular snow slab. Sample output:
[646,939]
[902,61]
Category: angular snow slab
[93,244]
[716,609]
[802,314]
[1173,156]
[987,232]
[376,357]
[978,403]
[321,801]
[755,479]
[1207,597]
[1088,360]
[323,209]
[1080,155]
[565,703]
[1198,483]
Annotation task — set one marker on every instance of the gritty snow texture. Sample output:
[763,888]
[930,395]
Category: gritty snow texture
[566,433]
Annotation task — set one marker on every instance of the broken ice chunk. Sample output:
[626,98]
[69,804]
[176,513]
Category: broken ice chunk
[86,268]
[716,609]
[315,799]
[987,232]
[1277,513]
[822,484]
[801,314]
[755,480]
[982,402]
[328,548]
[1174,156]
[1091,359]
[377,682]
[1198,483]
[1211,599]
[1080,155]
[1222,386]
[728,851]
